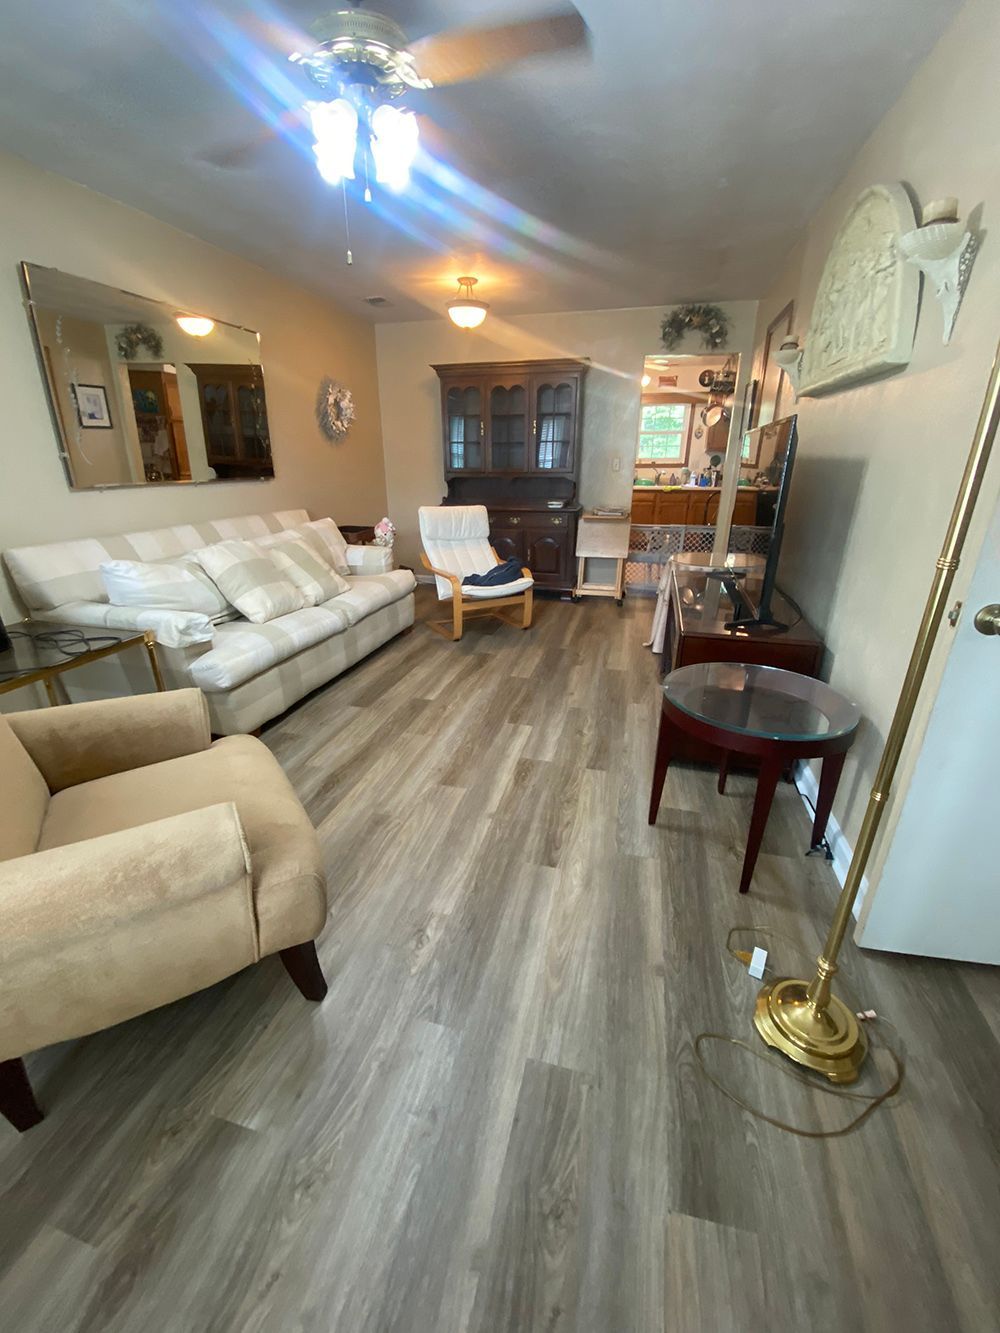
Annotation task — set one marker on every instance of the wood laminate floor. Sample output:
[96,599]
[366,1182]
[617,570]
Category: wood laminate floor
[495,1121]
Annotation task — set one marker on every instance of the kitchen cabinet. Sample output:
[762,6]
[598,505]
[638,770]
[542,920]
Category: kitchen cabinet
[689,507]
[511,439]
[674,507]
[644,506]
[744,510]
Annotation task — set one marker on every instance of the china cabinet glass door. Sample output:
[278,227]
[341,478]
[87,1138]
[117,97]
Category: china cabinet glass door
[253,421]
[554,425]
[465,428]
[508,426]
[220,427]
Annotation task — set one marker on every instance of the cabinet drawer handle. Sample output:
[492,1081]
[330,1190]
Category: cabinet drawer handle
[513,520]
[558,522]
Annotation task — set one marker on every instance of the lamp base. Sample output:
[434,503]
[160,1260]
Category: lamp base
[829,1042]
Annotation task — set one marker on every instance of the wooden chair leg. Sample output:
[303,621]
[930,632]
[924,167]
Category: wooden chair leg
[302,965]
[528,607]
[17,1101]
[457,612]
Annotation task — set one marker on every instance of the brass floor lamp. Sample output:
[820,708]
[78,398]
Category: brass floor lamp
[803,1019]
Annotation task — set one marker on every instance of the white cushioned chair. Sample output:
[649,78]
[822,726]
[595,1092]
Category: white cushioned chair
[140,862]
[456,541]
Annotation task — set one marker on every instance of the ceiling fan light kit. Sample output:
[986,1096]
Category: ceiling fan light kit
[465,310]
[361,63]
[391,139]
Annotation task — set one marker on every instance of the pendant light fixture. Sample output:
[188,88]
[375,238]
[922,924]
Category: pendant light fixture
[464,310]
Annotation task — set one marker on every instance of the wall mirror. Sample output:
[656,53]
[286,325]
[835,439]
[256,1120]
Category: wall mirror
[142,393]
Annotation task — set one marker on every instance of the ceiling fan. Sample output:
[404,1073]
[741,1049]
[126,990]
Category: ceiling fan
[360,66]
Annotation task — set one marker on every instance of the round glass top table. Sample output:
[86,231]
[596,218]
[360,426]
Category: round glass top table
[766,714]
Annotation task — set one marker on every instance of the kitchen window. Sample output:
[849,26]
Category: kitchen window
[663,433]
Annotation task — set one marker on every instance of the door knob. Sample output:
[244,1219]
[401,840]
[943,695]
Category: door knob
[987,619]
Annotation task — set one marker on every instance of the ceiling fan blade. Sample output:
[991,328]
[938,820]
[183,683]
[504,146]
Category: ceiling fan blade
[469,53]
[234,156]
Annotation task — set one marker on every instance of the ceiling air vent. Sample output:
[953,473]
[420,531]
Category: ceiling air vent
[377,300]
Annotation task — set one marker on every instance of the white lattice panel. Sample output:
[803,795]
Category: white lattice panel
[652,545]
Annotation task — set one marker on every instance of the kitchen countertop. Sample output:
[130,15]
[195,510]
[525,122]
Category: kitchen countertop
[709,490]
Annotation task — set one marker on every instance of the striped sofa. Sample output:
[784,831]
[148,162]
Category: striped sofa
[249,673]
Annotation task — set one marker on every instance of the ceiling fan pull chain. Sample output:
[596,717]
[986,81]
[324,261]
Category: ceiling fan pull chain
[347,222]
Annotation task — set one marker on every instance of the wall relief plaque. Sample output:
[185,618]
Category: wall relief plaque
[865,313]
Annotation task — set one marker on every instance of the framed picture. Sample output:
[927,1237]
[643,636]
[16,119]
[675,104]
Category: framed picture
[92,406]
[772,380]
[749,404]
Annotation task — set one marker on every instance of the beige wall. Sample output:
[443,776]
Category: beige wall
[616,341]
[49,220]
[98,456]
[878,465]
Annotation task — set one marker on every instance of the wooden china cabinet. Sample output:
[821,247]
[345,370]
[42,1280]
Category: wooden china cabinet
[234,419]
[512,443]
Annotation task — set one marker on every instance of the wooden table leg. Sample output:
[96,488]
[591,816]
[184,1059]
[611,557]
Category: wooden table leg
[17,1101]
[829,779]
[767,780]
[50,690]
[724,771]
[150,643]
[664,745]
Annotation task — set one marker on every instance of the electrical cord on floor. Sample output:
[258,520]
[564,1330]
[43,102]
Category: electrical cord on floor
[70,642]
[873,1100]
[823,845]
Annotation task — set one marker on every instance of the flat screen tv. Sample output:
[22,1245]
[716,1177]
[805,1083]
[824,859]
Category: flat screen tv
[772,449]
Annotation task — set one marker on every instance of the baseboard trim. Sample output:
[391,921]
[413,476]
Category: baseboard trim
[808,788]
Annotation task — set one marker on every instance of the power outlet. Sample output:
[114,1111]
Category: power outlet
[616,463]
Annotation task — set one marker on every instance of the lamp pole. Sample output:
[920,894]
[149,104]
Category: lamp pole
[803,1019]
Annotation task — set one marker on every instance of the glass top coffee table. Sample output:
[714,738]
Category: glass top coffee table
[766,713]
[41,651]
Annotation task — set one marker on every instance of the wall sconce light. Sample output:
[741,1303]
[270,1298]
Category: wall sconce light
[944,251]
[789,358]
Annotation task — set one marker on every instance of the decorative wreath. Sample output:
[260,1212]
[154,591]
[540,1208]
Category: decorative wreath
[711,320]
[334,409]
[134,336]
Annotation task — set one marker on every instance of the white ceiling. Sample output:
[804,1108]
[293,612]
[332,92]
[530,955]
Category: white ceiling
[678,162]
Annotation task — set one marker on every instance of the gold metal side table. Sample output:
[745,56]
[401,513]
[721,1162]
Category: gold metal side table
[40,652]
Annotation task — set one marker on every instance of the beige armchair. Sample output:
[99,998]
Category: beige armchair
[140,862]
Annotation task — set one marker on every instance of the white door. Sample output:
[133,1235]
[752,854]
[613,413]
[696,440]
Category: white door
[939,893]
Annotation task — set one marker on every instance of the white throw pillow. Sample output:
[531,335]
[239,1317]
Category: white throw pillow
[325,537]
[249,578]
[298,561]
[167,585]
